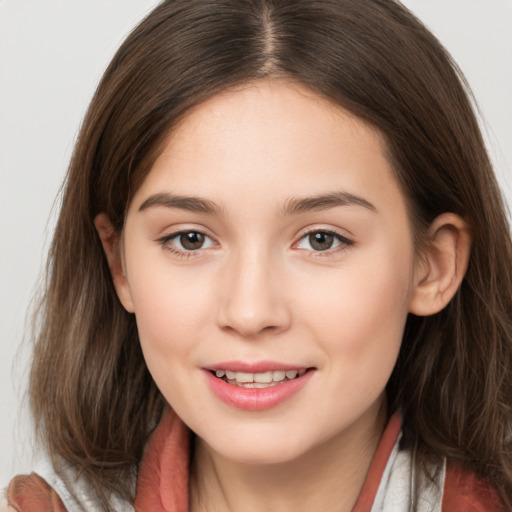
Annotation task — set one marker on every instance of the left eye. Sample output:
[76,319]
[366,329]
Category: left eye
[320,241]
[189,241]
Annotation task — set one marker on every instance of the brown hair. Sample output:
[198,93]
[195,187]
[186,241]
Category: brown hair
[91,393]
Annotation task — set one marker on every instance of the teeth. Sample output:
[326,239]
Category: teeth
[263,378]
[259,380]
[278,376]
[258,385]
[244,377]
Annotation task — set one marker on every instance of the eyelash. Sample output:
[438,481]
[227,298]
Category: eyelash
[182,253]
[344,243]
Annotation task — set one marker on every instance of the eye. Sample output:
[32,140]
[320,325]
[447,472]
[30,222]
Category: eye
[187,241]
[322,240]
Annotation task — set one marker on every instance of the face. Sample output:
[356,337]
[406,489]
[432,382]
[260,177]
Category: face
[269,261]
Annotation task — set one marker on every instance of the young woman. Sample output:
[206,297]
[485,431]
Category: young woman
[280,279]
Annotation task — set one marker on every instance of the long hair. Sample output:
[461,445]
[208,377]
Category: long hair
[92,396]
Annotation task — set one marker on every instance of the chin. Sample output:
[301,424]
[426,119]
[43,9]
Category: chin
[260,448]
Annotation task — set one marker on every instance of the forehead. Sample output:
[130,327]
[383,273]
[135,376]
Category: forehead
[270,136]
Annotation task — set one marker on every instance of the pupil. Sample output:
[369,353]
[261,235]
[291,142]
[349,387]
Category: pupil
[321,241]
[192,240]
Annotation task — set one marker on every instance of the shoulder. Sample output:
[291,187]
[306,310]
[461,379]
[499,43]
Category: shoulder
[30,493]
[4,507]
[465,491]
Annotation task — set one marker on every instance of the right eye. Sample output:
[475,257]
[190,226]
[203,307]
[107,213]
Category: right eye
[187,241]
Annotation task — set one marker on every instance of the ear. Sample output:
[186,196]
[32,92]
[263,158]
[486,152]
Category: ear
[111,241]
[442,265]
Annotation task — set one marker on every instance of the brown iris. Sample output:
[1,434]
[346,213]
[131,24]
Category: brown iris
[321,241]
[192,240]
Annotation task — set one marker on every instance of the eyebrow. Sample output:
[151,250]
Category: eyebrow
[297,205]
[293,205]
[192,204]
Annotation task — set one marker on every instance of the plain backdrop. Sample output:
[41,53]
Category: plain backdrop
[52,54]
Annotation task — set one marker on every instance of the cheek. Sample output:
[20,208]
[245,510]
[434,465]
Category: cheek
[372,294]
[170,309]
[358,317]
[169,318]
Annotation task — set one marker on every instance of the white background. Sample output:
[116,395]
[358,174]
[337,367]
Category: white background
[52,54]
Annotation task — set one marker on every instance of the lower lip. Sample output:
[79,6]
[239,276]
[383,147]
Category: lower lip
[256,399]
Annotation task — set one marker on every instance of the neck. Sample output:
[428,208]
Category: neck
[327,477]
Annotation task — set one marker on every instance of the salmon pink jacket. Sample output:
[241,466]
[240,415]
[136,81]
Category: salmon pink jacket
[161,483]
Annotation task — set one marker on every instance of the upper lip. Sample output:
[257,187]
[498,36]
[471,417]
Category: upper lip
[254,367]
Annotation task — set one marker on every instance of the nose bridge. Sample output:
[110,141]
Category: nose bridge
[254,300]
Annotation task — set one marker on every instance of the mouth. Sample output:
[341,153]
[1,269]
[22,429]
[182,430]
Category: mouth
[257,386]
[259,380]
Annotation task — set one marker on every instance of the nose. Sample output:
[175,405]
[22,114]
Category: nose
[254,300]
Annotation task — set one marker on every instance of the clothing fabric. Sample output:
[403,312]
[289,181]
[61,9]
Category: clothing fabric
[162,481]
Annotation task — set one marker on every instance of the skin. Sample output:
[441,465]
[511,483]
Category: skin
[257,290]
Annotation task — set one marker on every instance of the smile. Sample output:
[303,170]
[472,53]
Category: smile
[266,386]
[259,380]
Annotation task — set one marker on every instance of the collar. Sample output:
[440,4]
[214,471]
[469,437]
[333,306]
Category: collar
[162,483]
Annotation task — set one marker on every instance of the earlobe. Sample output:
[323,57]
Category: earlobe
[442,265]
[110,240]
